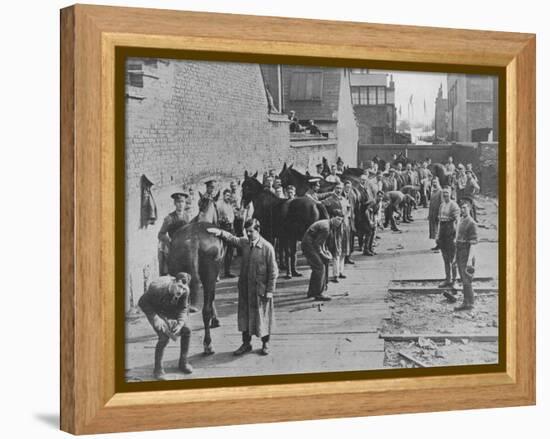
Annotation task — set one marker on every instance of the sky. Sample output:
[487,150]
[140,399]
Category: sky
[423,86]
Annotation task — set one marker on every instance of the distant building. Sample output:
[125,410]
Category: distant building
[473,106]
[441,116]
[323,95]
[374,104]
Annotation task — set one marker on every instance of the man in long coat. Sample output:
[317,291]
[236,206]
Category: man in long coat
[257,278]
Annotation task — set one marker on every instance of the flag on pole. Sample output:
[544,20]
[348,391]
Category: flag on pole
[425,107]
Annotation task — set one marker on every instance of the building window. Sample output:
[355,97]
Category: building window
[134,74]
[355,95]
[369,95]
[360,71]
[381,95]
[306,86]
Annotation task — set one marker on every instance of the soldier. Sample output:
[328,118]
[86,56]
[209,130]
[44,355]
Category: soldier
[171,223]
[165,304]
[226,220]
[465,259]
[370,227]
[291,192]
[333,177]
[210,189]
[315,250]
[448,216]
[425,177]
[471,188]
[433,212]
[352,199]
[313,192]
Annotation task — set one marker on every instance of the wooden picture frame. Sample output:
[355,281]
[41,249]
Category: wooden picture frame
[90,35]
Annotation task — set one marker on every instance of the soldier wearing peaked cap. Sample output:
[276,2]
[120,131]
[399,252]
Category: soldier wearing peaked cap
[465,240]
[172,222]
[210,189]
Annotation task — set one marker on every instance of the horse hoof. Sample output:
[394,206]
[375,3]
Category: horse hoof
[288,276]
[208,350]
[296,274]
[215,323]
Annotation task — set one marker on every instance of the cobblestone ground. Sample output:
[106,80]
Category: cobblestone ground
[344,334]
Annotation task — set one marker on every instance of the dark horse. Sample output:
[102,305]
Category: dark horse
[286,220]
[290,176]
[197,252]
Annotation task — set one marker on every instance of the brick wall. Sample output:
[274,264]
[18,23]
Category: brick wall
[191,121]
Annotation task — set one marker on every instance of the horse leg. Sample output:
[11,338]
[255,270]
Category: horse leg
[292,251]
[208,274]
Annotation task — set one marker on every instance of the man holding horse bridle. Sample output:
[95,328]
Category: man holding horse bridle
[171,223]
[256,285]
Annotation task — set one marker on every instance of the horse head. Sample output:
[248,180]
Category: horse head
[251,188]
[208,210]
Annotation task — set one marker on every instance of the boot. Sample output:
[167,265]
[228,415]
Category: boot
[447,282]
[159,353]
[348,260]
[265,348]
[184,365]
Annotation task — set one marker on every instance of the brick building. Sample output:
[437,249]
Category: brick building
[473,108]
[373,98]
[323,95]
[188,122]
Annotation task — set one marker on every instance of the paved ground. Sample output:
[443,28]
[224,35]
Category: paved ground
[315,337]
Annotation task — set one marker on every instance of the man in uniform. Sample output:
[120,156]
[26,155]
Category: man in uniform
[314,248]
[352,199]
[433,212]
[425,177]
[171,223]
[226,219]
[465,259]
[256,286]
[210,189]
[165,304]
[448,216]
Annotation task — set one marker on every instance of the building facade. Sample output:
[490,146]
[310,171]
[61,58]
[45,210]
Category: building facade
[472,107]
[321,95]
[373,98]
[441,119]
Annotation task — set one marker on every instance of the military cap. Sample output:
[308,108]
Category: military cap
[314,180]
[179,195]
[209,182]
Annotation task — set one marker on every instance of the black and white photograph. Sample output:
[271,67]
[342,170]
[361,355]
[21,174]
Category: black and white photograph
[287,219]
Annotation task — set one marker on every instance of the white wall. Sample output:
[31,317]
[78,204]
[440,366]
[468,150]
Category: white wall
[30,239]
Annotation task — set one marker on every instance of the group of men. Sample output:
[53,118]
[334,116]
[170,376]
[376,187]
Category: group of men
[326,241]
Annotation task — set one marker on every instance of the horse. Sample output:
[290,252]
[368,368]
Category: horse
[208,211]
[285,220]
[290,176]
[197,252]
